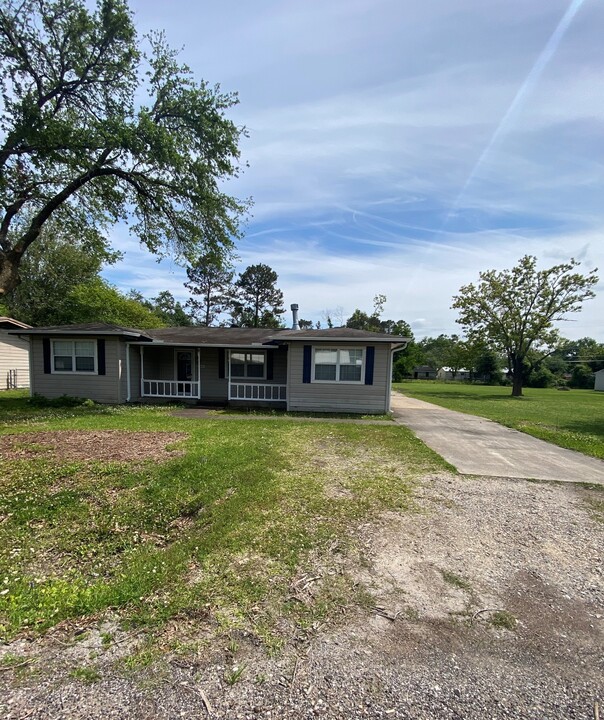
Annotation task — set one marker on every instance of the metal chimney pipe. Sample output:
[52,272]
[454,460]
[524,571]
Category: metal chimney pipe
[294,309]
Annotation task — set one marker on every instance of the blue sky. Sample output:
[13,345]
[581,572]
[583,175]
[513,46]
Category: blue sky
[400,148]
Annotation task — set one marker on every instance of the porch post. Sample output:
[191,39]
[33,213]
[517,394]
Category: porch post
[142,354]
[198,373]
[228,355]
[128,394]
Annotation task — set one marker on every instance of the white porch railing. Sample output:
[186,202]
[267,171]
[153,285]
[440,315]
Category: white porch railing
[169,388]
[256,391]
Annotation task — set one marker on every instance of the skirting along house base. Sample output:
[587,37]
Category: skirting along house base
[333,370]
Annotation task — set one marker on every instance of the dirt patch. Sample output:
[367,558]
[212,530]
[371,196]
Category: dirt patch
[105,445]
[533,550]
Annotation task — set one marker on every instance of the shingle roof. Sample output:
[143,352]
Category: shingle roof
[219,336]
[85,328]
[214,335]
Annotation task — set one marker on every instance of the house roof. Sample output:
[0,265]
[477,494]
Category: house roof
[85,329]
[220,336]
[7,323]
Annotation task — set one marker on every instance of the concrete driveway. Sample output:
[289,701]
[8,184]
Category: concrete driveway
[477,446]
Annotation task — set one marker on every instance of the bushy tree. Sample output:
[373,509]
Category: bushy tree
[515,310]
[257,302]
[51,270]
[78,145]
[97,301]
[169,310]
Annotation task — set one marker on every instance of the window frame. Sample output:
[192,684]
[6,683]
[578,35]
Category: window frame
[338,349]
[73,371]
[245,376]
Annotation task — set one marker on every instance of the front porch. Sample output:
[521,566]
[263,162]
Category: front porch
[217,375]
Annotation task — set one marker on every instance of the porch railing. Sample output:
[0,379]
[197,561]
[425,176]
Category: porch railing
[169,388]
[256,391]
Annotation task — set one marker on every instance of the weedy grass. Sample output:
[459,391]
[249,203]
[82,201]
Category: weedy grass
[573,420]
[456,580]
[217,533]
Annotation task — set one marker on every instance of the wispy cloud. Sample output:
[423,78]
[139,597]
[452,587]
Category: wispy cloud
[369,121]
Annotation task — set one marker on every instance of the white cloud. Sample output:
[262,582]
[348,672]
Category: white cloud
[369,121]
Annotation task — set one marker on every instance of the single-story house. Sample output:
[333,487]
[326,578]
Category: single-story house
[424,372]
[447,373]
[14,355]
[332,370]
[599,384]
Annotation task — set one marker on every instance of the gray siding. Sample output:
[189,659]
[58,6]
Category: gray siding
[14,355]
[336,397]
[100,388]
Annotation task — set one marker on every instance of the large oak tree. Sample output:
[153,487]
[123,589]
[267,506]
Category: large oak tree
[515,310]
[98,125]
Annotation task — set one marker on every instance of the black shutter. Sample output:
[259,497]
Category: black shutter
[100,356]
[46,355]
[269,364]
[307,364]
[221,363]
[369,363]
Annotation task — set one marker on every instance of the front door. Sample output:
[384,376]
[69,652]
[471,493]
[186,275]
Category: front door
[184,370]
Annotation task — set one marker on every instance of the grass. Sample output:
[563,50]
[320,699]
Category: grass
[216,535]
[573,420]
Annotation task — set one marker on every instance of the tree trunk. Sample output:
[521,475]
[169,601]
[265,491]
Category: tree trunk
[517,378]
[9,272]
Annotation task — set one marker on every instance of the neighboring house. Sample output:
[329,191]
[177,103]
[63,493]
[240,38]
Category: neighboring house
[424,372]
[333,370]
[14,355]
[599,384]
[447,373]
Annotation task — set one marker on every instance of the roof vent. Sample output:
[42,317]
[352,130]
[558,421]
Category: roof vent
[294,309]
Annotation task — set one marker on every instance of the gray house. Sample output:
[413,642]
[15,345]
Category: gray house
[334,370]
[14,355]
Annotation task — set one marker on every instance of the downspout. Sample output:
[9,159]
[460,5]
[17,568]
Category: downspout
[228,355]
[129,393]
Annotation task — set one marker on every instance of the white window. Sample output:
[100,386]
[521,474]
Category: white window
[248,365]
[74,356]
[343,365]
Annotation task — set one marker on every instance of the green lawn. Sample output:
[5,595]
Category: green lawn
[573,419]
[215,535]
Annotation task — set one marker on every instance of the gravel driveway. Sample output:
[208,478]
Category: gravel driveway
[486,603]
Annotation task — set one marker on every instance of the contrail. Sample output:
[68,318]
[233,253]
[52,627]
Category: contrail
[530,81]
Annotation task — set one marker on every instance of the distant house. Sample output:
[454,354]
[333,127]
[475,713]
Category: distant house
[14,355]
[332,370]
[424,372]
[447,373]
[599,384]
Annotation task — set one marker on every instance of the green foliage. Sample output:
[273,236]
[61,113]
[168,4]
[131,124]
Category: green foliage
[541,377]
[51,270]
[514,310]
[210,280]
[572,419]
[582,377]
[487,365]
[79,147]
[257,302]
[169,310]
[97,301]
